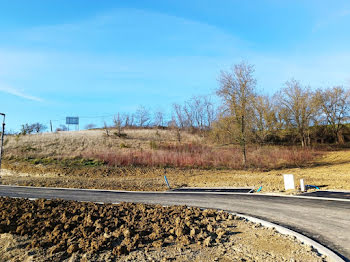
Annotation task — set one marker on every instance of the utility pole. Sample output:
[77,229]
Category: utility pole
[2,138]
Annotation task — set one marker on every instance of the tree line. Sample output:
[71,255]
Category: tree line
[295,114]
[197,114]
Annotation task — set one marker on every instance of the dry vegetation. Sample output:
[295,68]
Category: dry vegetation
[58,230]
[149,148]
[90,159]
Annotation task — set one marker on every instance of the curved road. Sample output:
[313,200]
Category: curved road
[326,221]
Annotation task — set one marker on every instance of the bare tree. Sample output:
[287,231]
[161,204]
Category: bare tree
[209,110]
[197,112]
[335,104]
[179,115]
[265,122]
[172,123]
[38,127]
[200,112]
[189,112]
[62,128]
[142,116]
[90,126]
[27,129]
[158,118]
[118,121]
[128,120]
[105,126]
[31,128]
[237,90]
[300,106]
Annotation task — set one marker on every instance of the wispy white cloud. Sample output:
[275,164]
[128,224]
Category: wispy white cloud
[18,93]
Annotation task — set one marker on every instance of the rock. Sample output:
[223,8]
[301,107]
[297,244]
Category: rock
[193,232]
[210,228]
[120,250]
[158,243]
[72,248]
[179,231]
[207,241]
[309,248]
[127,233]
[220,233]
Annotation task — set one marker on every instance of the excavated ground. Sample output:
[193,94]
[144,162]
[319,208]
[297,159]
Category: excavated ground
[59,230]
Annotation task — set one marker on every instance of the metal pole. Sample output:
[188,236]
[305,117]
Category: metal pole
[2,138]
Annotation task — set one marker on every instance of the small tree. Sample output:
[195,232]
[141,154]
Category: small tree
[118,123]
[237,90]
[27,129]
[38,128]
[105,126]
[128,119]
[158,119]
[62,128]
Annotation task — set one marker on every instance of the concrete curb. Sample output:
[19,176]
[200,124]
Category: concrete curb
[174,192]
[285,231]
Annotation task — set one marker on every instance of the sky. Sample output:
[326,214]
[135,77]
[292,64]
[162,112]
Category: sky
[92,59]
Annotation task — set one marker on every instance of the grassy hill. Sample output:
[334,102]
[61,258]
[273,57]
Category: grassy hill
[138,159]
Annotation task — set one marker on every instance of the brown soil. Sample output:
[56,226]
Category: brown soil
[59,230]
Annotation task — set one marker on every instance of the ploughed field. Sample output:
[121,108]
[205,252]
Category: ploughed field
[59,230]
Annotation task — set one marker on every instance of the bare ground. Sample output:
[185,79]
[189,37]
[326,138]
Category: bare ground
[58,230]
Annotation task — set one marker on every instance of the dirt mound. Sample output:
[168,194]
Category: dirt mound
[66,227]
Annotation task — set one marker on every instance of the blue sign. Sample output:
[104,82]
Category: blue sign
[72,120]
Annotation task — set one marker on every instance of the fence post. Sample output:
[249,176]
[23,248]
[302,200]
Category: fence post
[2,138]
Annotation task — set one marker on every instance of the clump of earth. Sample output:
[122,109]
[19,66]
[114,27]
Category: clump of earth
[59,230]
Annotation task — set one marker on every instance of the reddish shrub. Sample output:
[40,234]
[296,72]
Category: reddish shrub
[189,155]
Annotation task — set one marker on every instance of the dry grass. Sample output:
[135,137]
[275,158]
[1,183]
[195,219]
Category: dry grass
[329,169]
[74,143]
[151,148]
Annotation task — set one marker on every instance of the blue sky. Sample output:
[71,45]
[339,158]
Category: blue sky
[94,58]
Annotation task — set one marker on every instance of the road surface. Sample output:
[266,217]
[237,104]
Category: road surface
[326,221]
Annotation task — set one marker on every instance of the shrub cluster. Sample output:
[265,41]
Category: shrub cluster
[201,156]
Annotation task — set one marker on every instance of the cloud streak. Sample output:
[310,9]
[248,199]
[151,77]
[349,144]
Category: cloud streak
[18,93]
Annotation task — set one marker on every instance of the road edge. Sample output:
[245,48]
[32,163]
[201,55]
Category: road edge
[323,250]
[175,192]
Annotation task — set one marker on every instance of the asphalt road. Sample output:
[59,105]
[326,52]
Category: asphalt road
[331,194]
[326,221]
